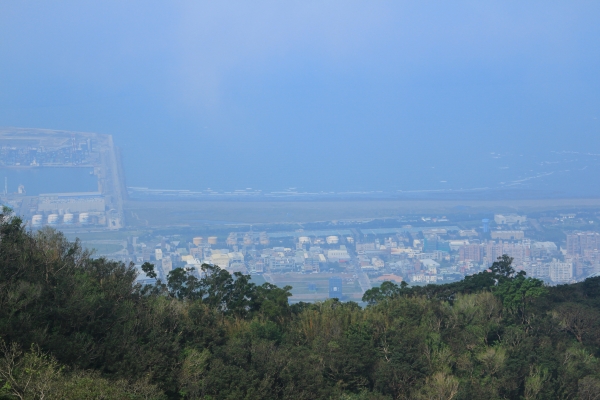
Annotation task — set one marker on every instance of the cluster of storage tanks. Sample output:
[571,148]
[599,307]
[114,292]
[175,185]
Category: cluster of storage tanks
[58,219]
[198,240]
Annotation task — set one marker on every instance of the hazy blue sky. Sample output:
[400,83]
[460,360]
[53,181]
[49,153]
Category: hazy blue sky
[319,95]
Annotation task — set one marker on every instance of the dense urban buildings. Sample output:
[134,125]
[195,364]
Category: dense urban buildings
[352,257]
[360,258]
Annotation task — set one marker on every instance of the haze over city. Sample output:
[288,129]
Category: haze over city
[317,96]
[292,199]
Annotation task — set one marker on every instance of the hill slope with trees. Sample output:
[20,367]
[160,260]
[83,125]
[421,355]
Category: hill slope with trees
[75,327]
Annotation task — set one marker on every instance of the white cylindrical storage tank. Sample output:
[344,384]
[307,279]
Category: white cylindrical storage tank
[303,239]
[197,240]
[212,240]
[37,220]
[332,239]
[52,219]
[84,218]
[68,218]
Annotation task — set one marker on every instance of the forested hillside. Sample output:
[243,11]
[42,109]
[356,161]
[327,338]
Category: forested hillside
[74,327]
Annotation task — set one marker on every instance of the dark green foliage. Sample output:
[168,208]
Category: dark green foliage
[387,289]
[73,327]
[148,269]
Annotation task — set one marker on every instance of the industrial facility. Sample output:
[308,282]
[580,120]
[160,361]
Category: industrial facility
[41,149]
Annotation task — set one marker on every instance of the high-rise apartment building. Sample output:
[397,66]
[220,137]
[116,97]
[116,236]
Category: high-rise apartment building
[561,272]
[491,251]
[167,265]
[471,252]
[580,242]
[520,252]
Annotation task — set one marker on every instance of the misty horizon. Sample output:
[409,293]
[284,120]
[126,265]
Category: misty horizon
[336,97]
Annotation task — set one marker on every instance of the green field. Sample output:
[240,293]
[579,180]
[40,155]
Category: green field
[103,235]
[152,214]
[300,291]
[258,280]
[102,248]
